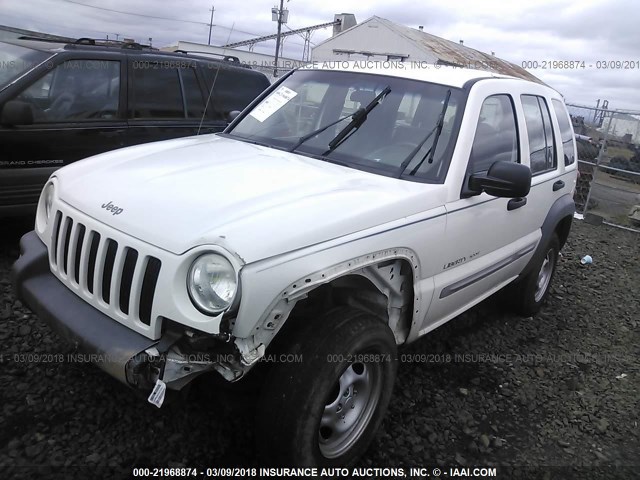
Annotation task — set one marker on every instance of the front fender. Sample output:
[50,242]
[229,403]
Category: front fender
[270,292]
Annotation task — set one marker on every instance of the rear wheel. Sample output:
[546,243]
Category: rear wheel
[530,293]
[324,399]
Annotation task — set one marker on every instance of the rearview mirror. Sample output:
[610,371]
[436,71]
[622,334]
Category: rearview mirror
[504,179]
[16,112]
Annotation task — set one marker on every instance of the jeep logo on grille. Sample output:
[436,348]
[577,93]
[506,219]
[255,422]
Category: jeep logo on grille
[110,207]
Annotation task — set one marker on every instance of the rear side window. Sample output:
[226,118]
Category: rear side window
[192,93]
[566,131]
[156,92]
[496,137]
[233,88]
[542,152]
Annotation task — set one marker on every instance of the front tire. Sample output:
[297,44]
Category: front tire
[323,407]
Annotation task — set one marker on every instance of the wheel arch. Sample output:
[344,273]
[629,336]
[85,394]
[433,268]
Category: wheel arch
[384,289]
[558,221]
[382,283]
[563,228]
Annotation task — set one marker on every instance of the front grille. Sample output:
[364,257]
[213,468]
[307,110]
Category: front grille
[117,276]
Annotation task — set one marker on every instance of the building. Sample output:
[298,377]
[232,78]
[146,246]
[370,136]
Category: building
[12,33]
[621,125]
[380,39]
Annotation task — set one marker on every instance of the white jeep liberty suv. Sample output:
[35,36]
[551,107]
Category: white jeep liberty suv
[343,213]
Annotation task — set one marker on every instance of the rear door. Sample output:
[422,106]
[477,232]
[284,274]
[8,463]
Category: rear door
[545,154]
[77,113]
[166,100]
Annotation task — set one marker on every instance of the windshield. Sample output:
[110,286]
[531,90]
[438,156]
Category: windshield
[15,60]
[390,139]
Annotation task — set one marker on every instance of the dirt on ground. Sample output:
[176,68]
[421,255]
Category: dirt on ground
[554,396]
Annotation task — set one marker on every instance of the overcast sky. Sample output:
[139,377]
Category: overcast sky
[585,30]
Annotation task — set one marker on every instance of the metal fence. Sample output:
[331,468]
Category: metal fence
[608,189]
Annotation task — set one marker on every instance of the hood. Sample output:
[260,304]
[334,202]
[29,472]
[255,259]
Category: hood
[253,200]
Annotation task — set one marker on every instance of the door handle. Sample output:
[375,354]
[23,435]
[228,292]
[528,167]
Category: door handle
[516,203]
[558,185]
[112,133]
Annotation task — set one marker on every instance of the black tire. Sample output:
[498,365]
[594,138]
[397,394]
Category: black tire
[529,294]
[344,344]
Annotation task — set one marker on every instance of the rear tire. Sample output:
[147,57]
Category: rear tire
[530,293]
[324,407]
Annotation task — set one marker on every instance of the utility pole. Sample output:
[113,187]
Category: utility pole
[275,66]
[211,23]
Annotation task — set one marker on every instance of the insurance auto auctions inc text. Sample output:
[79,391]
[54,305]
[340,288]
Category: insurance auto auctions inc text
[377,472]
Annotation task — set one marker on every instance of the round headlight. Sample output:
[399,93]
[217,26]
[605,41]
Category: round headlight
[212,283]
[45,207]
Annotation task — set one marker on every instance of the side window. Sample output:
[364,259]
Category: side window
[566,131]
[76,90]
[192,93]
[552,156]
[233,88]
[542,151]
[156,93]
[224,86]
[496,136]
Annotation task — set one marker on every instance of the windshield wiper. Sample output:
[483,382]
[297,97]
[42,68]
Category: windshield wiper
[432,149]
[318,131]
[359,117]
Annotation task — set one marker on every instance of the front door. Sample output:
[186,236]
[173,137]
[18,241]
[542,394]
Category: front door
[77,113]
[489,239]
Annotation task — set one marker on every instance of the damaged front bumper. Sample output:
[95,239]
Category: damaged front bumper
[124,354]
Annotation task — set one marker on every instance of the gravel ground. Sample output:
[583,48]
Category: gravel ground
[487,389]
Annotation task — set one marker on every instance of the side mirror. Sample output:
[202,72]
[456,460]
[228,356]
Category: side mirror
[16,112]
[504,179]
[232,115]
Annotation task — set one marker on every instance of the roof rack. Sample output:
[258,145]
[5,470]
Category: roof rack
[227,58]
[109,42]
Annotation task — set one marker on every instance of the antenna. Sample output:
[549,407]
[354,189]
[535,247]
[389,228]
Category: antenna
[213,84]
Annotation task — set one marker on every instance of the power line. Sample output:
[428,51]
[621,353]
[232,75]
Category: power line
[159,18]
[72,31]
[135,14]
[156,17]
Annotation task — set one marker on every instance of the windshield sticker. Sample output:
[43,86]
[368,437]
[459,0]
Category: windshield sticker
[272,103]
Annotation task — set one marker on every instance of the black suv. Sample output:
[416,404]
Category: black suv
[63,102]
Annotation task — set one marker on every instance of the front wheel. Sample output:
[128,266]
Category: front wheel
[324,399]
[529,294]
